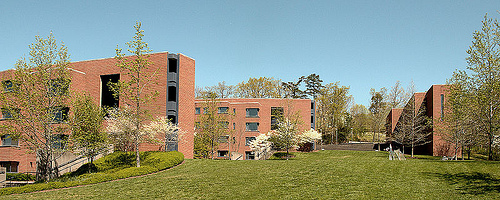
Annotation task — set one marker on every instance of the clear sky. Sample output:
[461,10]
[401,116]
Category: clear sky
[362,44]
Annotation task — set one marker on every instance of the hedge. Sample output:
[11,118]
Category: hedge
[115,166]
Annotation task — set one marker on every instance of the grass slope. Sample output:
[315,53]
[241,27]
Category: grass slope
[115,166]
[318,175]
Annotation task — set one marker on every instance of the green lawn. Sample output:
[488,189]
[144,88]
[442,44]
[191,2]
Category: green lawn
[319,175]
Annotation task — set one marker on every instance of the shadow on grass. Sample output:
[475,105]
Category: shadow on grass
[472,183]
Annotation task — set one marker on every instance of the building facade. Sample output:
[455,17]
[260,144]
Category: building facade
[433,103]
[175,100]
[247,118]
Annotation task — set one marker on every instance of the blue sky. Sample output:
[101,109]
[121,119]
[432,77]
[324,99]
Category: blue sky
[362,44]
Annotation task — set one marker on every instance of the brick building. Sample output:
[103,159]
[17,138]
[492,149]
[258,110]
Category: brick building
[433,102]
[251,117]
[175,100]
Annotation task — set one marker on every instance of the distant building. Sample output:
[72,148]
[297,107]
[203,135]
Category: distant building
[433,101]
[251,117]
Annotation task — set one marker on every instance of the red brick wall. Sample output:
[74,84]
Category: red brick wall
[303,106]
[86,79]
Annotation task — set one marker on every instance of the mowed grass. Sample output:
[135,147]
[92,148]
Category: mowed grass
[317,175]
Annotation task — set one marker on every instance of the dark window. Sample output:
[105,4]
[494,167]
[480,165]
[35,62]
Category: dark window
[59,141]
[252,112]
[9,113]
[312,105]
[252,126]
[223,139]
[248,140]
[59,114]
[222,153]
[59,86]
[197,111]
[442,106]
[222,110]
[234,110]
[249,155]
[172,65]
[11,166]
[7,86]
[224,124]
[107,98]
[172,119]
[276,114]
[172,93]
[197,125]
[8,141]
[312,119]
[234,126]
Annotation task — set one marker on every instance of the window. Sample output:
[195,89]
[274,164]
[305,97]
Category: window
[222,110]
[172,119]
[197,125]
[107,98]
[252,126]
[197,111]
[234,126]
[172,65]
[7,86]
[276,114]
[172,93]
[224,124]
[248,140]
[234,111]
[59,114]
[8,141]
[249,155]
[59,86]
[442,106]
[223,139]
[252,112]
[222,153]
[11,166]
[59,141]
[9,113]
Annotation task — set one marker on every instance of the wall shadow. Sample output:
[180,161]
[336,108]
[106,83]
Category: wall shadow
[474,183]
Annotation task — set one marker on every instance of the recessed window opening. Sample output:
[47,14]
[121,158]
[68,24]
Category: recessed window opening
[172,93]
[248,140]
[172,65]
[252,126]
[172,119]
[222,110]
[8,141]
[107,97]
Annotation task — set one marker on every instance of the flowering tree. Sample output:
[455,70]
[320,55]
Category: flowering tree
[170,132]
[124,133]
[309,136]
[261,145]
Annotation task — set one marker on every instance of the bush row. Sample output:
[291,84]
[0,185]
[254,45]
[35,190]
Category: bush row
[20,177]
[115,166]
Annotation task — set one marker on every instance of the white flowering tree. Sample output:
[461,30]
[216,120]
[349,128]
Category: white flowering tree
[170,132]
[261,146]
[307,139]
[124,133]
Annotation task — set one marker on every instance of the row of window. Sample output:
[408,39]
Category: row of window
[58,114]
[249,155]
[225,139]
[249,126]
[57,86]
[250,112]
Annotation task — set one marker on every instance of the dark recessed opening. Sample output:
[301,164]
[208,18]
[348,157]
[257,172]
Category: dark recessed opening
[172,119]
[107,98]
[172,93]
[172,65]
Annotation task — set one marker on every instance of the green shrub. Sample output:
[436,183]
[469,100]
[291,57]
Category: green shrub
[281,156]
[117,165]
[20,177]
